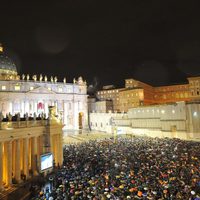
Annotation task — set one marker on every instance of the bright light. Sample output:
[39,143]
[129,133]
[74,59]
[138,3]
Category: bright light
[17,87]
[163,111]
[173,111]
[3,87]
[195,114]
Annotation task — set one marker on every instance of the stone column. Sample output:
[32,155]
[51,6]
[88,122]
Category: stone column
[75,116]
[13,104]
[22,108]
[11,107]
[57,148]
[34,152]
[26,107]
[25,156]
[53,141]
[35,107]
[17,161]
[5,156]
[9,164]
[46,110]
[56,105]
[60,151]
[65,114]
[1,165]
[13,157]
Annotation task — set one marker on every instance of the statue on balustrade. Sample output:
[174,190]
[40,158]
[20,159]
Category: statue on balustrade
[23,77]
[41,77]
[1,117]
[27,77]
[34,77]
[9,117]
[34,116]
[18,116]
[26,116]
[42,115]
[64,80]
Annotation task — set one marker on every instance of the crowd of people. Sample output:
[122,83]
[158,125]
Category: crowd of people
[140,168]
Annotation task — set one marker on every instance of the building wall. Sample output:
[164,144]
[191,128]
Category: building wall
[125,99]
[194,87]
[20,96]
[179,120]
[21,145]
[130,98]
[110,94]
[172,93]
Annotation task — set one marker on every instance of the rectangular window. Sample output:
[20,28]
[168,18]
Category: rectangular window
[17,87]
[3,87]
[60,89]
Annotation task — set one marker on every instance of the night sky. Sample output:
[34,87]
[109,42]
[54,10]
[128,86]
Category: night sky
[157,42]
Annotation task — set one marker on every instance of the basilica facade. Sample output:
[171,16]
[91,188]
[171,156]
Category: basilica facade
[32,95]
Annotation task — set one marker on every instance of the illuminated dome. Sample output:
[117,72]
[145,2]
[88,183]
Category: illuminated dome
[7,66]
[8,70]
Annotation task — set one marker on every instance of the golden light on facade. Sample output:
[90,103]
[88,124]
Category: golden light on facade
[1,48]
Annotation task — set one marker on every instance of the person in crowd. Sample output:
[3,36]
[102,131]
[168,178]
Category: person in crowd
[140,168]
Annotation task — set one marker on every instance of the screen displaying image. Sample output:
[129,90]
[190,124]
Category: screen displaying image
[46,161]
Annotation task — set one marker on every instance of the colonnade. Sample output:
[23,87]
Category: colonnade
[56,142]
[18,158]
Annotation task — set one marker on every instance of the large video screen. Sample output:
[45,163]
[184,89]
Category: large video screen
[46,161]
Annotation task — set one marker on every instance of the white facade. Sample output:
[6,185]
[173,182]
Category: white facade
[29,96]
[179,120]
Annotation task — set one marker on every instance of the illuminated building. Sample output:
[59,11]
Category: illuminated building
[32,95]
[22,143]
[137,93]
[173,120]
[110,94]
[168,111]
[23,137]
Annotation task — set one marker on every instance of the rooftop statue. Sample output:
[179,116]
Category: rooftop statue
[41,77]
[52,79]
[45,78]
[55,79]
[23,77]
[64,80]
[34,77]
[27,77]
